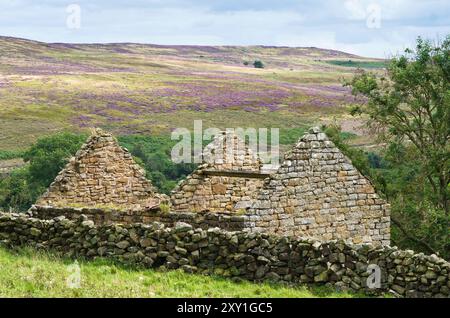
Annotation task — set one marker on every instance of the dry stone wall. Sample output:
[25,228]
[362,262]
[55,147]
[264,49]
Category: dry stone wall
[238,255]
[102,174]
[205,220]
[318,193]
[227,181]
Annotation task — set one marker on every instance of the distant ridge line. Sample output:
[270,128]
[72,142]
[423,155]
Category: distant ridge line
[106,44]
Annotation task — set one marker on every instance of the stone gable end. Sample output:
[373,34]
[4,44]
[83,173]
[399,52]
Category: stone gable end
[102,174]
[220,184]
[318,193]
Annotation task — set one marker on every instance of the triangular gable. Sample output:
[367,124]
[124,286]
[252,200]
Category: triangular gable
[220,184]
[318,193]
[101,174]
[228,151]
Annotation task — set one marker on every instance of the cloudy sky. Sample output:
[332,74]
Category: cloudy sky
[377,28]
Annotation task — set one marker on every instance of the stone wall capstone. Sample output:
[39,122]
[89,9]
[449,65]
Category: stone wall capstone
[205,220]
[239,255]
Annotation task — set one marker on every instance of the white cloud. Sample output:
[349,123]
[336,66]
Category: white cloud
[356,9]
[339,24]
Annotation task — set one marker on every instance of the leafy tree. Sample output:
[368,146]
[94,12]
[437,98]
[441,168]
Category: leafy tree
[16,192]
[412,104]
[418,223]
[50,154]
[258,64]
[153,154]
[45,159]
[409,108]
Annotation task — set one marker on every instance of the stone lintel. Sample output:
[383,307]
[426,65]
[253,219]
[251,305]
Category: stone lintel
[237,174]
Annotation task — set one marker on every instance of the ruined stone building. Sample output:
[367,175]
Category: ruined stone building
[102,174]
[227,180]
[316,192]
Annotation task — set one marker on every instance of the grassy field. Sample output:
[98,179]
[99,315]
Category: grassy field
[359,64]
[151,89]
[29,273]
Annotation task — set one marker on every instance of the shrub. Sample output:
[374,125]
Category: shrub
[50,154]
[153,154]
[165,208]
[45,159]
[258,64]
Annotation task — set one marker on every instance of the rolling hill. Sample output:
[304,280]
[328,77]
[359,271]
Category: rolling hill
[130,88]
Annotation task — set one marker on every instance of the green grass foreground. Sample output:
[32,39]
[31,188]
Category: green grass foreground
[31,273]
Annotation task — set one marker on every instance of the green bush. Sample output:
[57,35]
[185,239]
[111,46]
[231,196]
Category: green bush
[258,64]
[153,153]
[44,160]
[16,191]
[50,154]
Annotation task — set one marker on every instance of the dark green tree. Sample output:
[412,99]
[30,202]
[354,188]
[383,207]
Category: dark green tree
[50,154]
[409,108]
[258,64]
[44,160]
[411,104]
